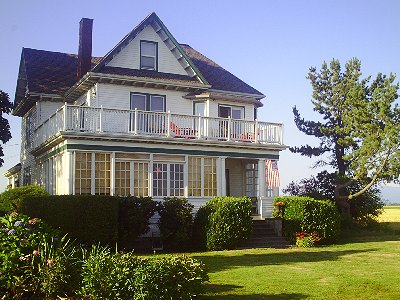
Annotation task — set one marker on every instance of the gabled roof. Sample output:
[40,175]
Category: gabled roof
[218,77]
[55,73]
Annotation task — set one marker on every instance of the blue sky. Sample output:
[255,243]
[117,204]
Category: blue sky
[268,44]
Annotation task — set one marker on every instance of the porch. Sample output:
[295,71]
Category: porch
[157,175]
[79,119]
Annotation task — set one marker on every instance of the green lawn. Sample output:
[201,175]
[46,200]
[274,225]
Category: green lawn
[365,265]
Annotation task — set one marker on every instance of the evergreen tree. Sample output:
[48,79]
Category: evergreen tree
[359,129]
[5,133]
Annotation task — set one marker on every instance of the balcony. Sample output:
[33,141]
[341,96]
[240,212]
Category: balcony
[72,118]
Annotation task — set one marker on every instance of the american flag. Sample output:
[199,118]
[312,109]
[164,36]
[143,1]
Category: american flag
[272,173]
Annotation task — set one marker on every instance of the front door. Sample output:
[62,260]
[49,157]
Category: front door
[251,184]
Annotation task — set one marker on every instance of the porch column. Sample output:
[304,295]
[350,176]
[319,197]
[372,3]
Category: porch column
[261,184]
[221,180]
[69,168]
[112,171]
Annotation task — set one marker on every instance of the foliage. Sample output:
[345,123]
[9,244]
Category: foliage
[200,223]
[364,208]
[34,261]
[87,218]
[5,132]
[309,215]
[133,218]
[359,131]
[125,276]
[176,223]
[11,199]
[307,240]
[227,221]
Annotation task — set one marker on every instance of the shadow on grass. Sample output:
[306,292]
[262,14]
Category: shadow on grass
[224,288]
[291,296]
[381,232]
[221,262]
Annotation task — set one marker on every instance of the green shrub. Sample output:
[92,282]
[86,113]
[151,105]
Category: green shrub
[175,223]
[199,235]
[134,218]
[226,222]
[34,262]
[89,219]
[311,216]
[125,276]
[11,199]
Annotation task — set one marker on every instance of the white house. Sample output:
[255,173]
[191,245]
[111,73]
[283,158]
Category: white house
[151,118]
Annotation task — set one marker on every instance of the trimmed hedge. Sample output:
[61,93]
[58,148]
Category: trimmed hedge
[223,223]
[10,199]
[176,221]
[310,215]
[134,219]
[88,218]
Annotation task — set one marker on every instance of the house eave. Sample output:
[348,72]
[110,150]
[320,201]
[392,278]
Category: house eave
[87,81]
[227,95]
[14,170]
[30,100]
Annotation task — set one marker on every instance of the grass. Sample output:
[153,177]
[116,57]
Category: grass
[364,265]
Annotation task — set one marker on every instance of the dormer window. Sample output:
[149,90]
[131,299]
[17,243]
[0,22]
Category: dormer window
[148,55]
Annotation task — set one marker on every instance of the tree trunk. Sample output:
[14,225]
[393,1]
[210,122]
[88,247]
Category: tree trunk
[342,199]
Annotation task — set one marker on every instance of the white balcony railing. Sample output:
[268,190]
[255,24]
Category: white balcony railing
[72,118]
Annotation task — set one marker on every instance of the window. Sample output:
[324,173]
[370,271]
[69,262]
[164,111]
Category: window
[140,179]
[83,173]
[148,55]
[29,129]
[102,174]
[235,112]
[194,176]
[168,180]
[27,176]
[122,178]
[210,177]
[148,102]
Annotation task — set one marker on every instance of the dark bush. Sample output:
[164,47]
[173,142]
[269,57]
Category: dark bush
[311,216]
[364,209]
[125,276]
[11,199]
[133,219]
[176,221]
[224,223]
[199,237]
[89,219]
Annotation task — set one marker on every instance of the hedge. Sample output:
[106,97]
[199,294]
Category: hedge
[311,216]
[88,218]
[175,223]
[223,223]
[10,199]
[133,219]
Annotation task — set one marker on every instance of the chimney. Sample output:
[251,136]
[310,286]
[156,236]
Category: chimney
[85,47]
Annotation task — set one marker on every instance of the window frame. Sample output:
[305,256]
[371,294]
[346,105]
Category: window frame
[148,100]
[155,57]
[243,109]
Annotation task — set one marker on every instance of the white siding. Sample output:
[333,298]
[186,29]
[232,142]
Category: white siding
[129,57]
[46,109]
[116,96]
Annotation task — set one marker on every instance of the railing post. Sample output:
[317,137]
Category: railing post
[101,118]
[229,128]
[169,124]
[65,116]
[256,131]
[135,122]
[200,128]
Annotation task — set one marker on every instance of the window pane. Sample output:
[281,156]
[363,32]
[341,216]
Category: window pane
[160,180]
[200,109]
[237,113]
[138,101]
[148,49]
[156,103]
[148,62]
[224,112]
[176,180]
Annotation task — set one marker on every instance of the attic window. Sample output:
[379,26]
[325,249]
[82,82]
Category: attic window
[148,55]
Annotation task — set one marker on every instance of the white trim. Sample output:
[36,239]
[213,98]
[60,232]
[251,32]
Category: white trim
[186,177]
[93,174]
[223,177]
[112,175]
[202,176]
[151,175]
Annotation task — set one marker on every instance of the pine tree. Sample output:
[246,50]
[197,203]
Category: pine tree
[5,133]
